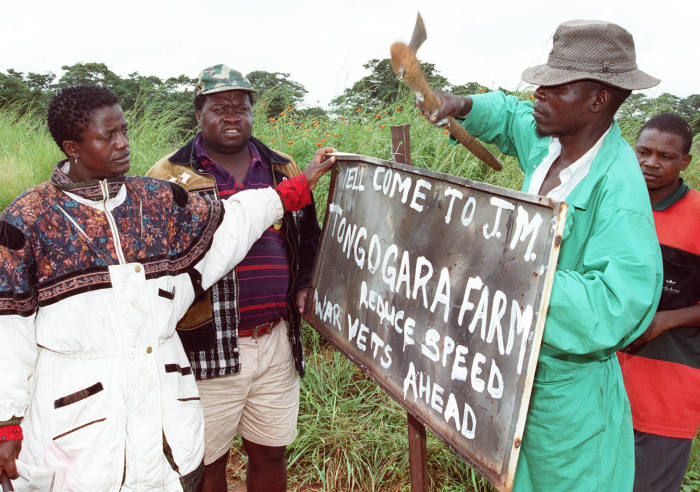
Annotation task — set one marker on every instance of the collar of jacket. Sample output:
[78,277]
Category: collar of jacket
[185,155]
[91,190]
[580,196]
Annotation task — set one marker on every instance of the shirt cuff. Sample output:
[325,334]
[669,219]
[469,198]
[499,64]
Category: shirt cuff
[11,433]
[295,193]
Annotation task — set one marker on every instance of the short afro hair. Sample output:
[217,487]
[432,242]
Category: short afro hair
[670,123]
[71,109]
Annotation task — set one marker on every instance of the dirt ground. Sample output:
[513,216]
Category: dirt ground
[235,468]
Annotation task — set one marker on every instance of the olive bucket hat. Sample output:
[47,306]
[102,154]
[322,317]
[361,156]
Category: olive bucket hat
[220,78]
[590,49]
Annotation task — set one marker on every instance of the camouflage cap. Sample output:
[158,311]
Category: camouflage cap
[220,78]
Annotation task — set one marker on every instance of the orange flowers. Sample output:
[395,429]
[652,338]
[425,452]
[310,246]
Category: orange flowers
[273,120]
[318,144]
[324,140]
[482,90]
[382,126]
[399,108]
[282,113]
[288,108]
[377,116]
[446,132]
[291,142]
[358,110]
[336,135]
[342,117]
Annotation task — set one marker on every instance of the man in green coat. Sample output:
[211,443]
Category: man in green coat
[578,434]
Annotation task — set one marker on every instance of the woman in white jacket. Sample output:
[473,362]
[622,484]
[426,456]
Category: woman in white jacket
[95,270]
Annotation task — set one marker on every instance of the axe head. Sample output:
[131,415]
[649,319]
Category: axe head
[419,35]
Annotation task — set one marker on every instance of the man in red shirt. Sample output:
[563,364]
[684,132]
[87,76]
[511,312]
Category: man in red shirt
[661,368]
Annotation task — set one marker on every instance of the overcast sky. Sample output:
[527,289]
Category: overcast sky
[323,44]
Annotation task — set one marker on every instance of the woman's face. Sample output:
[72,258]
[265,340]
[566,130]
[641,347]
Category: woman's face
[103,151]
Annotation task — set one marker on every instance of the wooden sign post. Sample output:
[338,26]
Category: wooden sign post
[437,288]
[417,453]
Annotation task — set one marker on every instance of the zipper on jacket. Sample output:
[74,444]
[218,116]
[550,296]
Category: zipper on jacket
[96,249]
[112,223]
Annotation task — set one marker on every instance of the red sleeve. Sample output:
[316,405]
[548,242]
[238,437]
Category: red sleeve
[11,433]
[295,193]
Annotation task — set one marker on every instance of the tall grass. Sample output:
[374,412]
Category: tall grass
[352,436]
[28,153]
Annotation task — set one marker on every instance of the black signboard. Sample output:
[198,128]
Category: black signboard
[437,287]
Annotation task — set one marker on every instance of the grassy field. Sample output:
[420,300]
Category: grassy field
[351,435]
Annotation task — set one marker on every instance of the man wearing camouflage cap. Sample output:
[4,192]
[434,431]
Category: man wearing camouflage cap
[243,338]
[578,435]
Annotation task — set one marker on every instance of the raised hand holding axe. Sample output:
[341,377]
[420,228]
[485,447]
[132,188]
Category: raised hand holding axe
[406,67]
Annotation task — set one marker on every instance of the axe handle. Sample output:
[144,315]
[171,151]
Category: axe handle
[475,147]
[6,483]
[406,66]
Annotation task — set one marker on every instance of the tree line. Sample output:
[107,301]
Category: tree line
[31,92]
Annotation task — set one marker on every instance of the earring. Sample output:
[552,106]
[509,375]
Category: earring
[66,168]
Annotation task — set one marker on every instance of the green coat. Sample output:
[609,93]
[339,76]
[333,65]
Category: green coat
[578,434]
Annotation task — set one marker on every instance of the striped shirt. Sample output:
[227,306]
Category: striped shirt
[263,275]
[662,377]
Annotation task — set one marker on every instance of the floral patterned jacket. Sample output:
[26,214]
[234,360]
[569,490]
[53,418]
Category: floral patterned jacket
[93,278]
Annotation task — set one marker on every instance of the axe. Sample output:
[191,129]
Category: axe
[406,67]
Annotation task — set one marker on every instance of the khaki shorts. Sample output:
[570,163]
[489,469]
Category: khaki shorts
[261,402]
